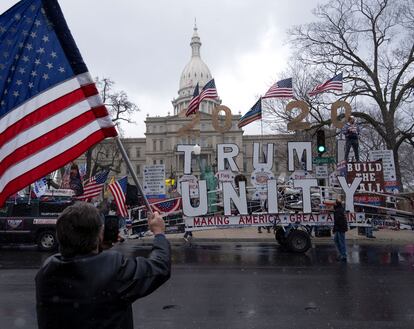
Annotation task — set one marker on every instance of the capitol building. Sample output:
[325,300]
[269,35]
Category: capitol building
[207,129]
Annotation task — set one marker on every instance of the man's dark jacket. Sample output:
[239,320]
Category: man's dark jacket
[340,223]
[97,290]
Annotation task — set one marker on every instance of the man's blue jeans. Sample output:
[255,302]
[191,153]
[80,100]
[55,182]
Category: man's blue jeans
[339,239]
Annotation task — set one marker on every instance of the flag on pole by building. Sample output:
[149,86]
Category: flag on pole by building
[40,187]
[50,109]
[118,190]
[332,84]
[255,113]
[93,186]
[209,91]
[194,103]
[281,89]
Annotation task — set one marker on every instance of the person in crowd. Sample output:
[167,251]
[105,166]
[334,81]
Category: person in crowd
[351,132]
[339,229]
[75,181]
[81,287]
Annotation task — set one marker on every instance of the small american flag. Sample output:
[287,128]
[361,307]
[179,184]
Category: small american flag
[281,89]
[209,91]
[50,109]
[194,103]
[118,190]
[332,84]
[93,186]
[255,113]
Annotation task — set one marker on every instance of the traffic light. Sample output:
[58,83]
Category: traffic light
[320,141]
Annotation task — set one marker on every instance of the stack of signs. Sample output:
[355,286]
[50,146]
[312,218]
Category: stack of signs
[154,181]
[388,164]
[259,180]
[193,183]
[372,181]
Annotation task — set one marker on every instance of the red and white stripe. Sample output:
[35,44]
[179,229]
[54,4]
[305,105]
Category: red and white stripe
[50,130]
[208,93]
[193,106]
[329,85]
[119,197]
[276,91]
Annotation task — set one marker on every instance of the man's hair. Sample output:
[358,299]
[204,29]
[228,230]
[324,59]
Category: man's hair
[78,228]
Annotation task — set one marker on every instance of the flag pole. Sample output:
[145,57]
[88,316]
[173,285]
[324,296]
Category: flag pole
[132,171]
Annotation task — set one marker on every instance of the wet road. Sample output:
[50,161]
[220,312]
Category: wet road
[249,285]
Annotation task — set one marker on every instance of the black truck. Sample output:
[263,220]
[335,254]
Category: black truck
[32,221]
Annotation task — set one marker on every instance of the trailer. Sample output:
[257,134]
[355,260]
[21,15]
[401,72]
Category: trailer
[292,229]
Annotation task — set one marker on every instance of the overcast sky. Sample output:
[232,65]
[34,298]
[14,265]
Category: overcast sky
[144,45]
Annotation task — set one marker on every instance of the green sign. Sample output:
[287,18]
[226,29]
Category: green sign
[320,160]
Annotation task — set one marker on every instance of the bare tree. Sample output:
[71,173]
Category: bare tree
[372,43]
[105,155]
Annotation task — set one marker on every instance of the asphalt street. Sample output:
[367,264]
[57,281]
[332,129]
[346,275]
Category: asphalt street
[248,285]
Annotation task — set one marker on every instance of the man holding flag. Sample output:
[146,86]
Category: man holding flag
[50,114]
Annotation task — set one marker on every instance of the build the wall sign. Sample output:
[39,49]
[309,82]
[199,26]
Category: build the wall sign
[372,180]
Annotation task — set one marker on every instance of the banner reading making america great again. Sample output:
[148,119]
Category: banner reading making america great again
[50,109]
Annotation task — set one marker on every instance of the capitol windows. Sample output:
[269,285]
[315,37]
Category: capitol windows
[161,145]
[138,169]
[138,152]
[154,145]
[161,161]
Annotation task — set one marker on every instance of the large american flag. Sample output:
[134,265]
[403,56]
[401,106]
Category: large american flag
[332,84]
[194,103]
[281,89]
[255,113]
[118,190]
[209,91]
[50,109]
[93,186]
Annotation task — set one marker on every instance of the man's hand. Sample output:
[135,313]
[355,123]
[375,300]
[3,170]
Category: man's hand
[156,224]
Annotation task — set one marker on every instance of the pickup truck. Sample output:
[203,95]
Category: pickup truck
[31,221]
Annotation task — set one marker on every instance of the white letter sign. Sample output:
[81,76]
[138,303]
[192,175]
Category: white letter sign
[188,209]
[349,191]
[222,155]
[240,201]
[306,184]
[187,149]
[300,147]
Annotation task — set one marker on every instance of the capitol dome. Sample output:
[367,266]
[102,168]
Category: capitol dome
[196,71]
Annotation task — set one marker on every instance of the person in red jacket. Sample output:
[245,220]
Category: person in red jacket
[83,288]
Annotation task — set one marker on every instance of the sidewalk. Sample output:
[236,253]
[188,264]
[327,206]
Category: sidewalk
[250,234]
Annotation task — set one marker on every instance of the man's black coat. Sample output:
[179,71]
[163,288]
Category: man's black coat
[97,290]
[340,223]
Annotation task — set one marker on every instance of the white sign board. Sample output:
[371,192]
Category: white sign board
[154,180]
[321,171]
[221,221]
[225,176]
[259,178]
[193,184]
[388,164]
